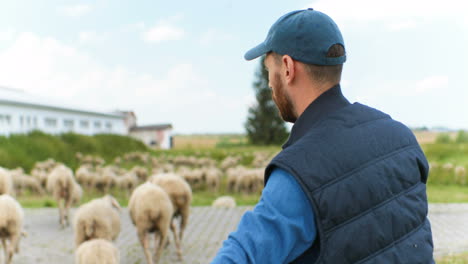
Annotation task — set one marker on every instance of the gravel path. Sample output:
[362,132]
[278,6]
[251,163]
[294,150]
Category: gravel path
[207,228]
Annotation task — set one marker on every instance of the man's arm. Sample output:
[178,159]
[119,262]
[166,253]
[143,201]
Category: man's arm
[279,229]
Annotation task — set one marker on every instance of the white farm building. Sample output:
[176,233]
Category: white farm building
[21,112]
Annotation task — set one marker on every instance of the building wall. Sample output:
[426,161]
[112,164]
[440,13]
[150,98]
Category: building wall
[22,119]
[154,138]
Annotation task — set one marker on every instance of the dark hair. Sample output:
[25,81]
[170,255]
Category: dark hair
[322,73]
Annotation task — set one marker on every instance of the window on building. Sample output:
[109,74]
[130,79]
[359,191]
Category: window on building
[108,126]
[50,122]
[21,120]
[97,124]
[35,121]
[8,119]
[84,123]
[67,123]
[28,121]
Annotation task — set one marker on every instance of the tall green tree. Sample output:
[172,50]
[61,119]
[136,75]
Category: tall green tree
[264,124]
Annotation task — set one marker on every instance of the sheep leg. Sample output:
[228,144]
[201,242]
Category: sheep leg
[13,247]
[5,249]
[159,246]
[184,220]
[61,220]
[67,211]
[143,236]
[176,240]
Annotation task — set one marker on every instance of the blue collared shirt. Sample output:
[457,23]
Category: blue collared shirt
[279,229]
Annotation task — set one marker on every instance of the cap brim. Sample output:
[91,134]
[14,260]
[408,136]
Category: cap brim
[256,52]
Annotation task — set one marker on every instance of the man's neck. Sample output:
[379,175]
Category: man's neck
[310,94]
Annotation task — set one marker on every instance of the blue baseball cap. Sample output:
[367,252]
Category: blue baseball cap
[305,35]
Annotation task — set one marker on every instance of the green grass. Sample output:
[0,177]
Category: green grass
[447,193]
[454,259]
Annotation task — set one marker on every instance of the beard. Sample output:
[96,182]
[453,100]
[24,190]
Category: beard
[283,101]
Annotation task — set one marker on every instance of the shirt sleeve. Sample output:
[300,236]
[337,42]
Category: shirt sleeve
[278,230]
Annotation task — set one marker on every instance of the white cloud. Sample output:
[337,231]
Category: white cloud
[163,32]
[75,10]
[395,14]
[438,82]
[52,69]
[402,25]
[138,26]
[7,35]
[213,35]
[91,37]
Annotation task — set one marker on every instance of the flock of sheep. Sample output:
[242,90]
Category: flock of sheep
[158,196]
[456,172]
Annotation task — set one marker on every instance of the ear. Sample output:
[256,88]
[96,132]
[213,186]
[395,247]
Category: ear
[289,68]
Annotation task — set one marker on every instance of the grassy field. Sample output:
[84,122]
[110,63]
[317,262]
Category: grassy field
[442,185]
[454,259]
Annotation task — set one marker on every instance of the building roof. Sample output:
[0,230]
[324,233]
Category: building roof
[18,97]
[151,127]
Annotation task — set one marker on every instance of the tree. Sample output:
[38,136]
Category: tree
[264,125]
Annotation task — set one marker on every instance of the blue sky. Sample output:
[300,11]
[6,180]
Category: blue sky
[183,63]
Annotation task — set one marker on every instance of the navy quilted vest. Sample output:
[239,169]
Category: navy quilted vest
[365,177]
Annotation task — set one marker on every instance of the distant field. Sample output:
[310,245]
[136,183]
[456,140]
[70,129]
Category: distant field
[208,140]
[425,137]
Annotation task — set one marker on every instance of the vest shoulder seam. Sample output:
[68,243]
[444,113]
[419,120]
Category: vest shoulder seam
[363,166]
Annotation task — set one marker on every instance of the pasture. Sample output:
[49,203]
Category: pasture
[236,170]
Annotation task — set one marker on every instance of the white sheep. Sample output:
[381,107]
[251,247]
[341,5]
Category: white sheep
[21,182]
[151,211]
[85,175]
[11,225]
[181,196]
[127,182]
[212,177]
[224,202]
[105,178]
[140,172]
[62,185]
[6,182]
[98,218]
[97,251]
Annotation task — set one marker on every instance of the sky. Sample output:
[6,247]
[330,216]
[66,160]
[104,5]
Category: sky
[181,62]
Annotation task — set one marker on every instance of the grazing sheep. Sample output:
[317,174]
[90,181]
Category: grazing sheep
[62,185]
[230,162]
[105,178]
[85,175]
[77,193]
[194,177]
[11,224]
[42,169]
[22,182]
[233,175]
[448,166]
[97,251]
[98,218]
[181,196]
[250,181]
[140,172]
[151,211]
[212,178]
[127,182]
[6,182]
[224,202]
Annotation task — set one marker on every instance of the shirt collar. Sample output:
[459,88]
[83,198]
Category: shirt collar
[328,102]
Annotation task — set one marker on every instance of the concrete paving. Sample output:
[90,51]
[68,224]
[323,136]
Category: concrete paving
[208,227]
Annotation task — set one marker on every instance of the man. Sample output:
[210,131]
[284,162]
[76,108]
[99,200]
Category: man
[350,183]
